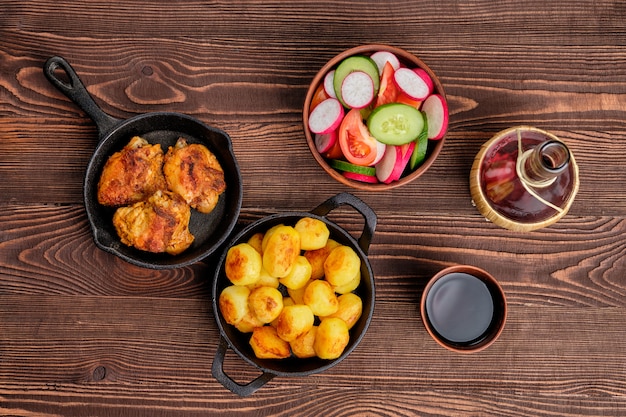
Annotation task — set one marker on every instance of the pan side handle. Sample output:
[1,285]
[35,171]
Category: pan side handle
[243,390]
[76,91]
[366,211]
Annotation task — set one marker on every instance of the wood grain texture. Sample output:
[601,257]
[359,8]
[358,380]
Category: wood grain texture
[83,333]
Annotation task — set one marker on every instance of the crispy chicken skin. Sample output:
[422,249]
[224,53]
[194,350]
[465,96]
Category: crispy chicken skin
[193,172]
[159,224]
[132,174]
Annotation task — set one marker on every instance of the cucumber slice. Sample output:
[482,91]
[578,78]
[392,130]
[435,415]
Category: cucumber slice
[351,64]
[421,145]
[395,123]
[350,167]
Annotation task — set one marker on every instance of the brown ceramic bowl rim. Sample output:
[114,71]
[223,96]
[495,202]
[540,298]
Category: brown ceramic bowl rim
[483,275]
[404,56]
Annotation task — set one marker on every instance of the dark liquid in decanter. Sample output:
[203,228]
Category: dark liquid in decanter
[505,191]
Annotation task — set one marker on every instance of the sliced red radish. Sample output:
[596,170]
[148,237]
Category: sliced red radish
[380,152]
[407,150]
[381,57]
[328,84]
[326,117]
[412,84]
[371,179]
[436,110]
[357,90]
[426,77]
[325,142]
[387,168]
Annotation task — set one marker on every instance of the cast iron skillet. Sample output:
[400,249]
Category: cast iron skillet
[239,342]
[210,230]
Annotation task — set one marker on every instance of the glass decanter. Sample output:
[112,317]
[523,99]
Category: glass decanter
[524,179]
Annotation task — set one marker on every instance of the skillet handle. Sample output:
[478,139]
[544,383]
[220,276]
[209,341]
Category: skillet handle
[77,92]
[366,211]
[242,390]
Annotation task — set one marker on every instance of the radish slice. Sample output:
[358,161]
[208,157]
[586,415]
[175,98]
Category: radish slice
[436,111]
[387,167]
[412,84]
[424,76]
[380,152]
[328,84]
[381,57]
[357,90]
[326,117]
[325,142]
[371,179]
[407,150]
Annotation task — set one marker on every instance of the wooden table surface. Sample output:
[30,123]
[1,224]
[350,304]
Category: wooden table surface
[83,333]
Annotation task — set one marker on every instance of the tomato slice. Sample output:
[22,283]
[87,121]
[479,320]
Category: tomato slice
[319,96]
[357,145]
[388,91]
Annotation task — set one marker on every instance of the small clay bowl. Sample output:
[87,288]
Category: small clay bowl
[464,308]
[406,59]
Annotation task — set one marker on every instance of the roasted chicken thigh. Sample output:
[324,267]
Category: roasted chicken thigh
[132,174]
[193,172]
[158,224]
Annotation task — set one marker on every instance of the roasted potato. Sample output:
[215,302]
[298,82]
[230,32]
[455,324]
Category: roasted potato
[341,266]
[266,303]
[321,298]
[267,345]
[331,338]
[313,233]
[233,303]
[265,280]
[267,235]
[243,264]
[302,347]
[350,309]
[317,257]
[256,241]
[249,323]
[352,285]
[299,275]
[298,295]
[281,251]
[294,321]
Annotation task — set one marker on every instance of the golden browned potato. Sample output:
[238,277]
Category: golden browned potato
[298,295]
[281,251]
[243,264]
[341,266]
[317,257]
[256,241]
[299,274]
[193,172]
[302,347]
[267,345]
[321,298]
[331,338]
[132,174]
[313,233]
[266,303]
[294,321]
[287,301]
[249,323]
[350,309]
[233,303]
[159,224]
[267,235]
[350,286]
[265,280]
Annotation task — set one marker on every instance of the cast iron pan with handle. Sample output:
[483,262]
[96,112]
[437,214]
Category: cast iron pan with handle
[210,230]
[239,342]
